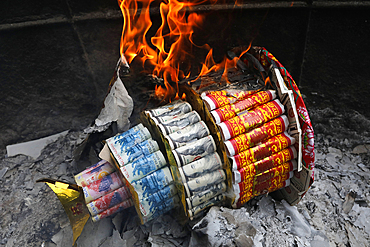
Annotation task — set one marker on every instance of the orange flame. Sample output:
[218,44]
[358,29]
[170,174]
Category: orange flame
[171,45]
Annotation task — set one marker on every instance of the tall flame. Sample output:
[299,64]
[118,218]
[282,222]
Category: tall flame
[163,53]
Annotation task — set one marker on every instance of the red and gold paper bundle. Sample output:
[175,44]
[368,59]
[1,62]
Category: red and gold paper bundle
[217,99]
[249,183]
[277,171]
[265,149]
[265,164]
[247,140]
[229,111]
[249,120]
[268,186]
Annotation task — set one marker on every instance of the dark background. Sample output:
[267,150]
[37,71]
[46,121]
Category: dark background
[57,58]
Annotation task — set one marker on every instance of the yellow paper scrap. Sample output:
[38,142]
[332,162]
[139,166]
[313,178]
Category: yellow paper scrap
[71,197]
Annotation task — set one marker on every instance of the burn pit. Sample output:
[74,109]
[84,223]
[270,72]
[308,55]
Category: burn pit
[225,211]
[245,74]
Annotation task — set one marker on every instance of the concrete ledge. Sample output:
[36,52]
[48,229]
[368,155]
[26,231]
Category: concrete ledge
[116,14]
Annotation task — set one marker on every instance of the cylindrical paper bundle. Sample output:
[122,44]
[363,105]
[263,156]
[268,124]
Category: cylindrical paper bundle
[179,122]
[177,107]
[247,140]
[201,166]
[135,152]
[109,200]
[265,164]
[204,182]
[249,120]
[149,205]
[94,173]
[127,141]
[247,196]
[132,130]
[101,187]
[153,182]
[267,148]
[143,166]
[229,111]
[206,195]
[246,185]
[277,171]
[166,206]
[234,93]
[115,209]
[196,150]
[187,135]
[272,183]
[199,208]
[158,120]
[217,99]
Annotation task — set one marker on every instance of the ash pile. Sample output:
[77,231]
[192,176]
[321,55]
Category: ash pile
[332,213]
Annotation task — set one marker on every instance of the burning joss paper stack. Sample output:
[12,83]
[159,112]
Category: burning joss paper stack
[145,168]
[254,129]
[195,153]
[104,191]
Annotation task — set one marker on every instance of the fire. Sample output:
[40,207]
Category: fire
[167,53]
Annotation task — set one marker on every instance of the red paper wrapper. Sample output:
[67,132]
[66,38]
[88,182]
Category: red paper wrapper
[277,171]
[102,187]
[110,211]
[229,111]
[250,194]
[265,164]
[108,201]
[249,120]
[259,179]
[269,147]
[242,142]
[217,99]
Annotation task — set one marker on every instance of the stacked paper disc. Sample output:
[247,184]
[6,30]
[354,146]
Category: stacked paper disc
[195,153]
[104,191]
[254,131]
[145,168]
